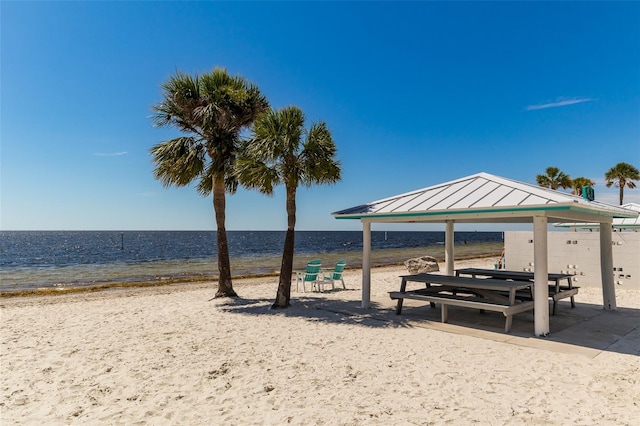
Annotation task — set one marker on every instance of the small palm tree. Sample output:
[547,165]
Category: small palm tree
[282,151]
[554,179]
[621,175]
[579,182]
[212,109]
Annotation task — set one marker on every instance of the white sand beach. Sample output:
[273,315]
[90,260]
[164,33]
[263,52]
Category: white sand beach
[172,355]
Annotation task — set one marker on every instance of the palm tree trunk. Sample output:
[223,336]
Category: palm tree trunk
[283,296]
[621,192]
[225,287]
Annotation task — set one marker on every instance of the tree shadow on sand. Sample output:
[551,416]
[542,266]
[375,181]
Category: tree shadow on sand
[317,309]
[587,326]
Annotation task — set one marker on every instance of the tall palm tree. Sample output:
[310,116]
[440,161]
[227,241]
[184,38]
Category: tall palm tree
[579,182]
[212,110]
[282,151]
[554,179]
[621,175]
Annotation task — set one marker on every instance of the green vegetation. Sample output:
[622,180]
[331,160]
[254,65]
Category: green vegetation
[621,175]
[578,183]
[554,179]
[281,151]
[211,110]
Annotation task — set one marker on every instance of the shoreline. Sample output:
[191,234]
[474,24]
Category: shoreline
[90,258]
[380,258]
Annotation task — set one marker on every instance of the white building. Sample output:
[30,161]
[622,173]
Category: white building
[578,252]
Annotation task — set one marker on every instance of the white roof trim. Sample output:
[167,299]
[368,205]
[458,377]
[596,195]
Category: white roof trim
[620,223]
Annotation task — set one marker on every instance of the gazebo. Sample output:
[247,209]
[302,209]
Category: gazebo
[620,224]
[485,198]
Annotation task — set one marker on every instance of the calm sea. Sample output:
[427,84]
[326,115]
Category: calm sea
[41,259]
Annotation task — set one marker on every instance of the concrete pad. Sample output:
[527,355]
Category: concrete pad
[586,330]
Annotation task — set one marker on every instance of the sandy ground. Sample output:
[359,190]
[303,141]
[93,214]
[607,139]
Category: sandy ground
[172,355]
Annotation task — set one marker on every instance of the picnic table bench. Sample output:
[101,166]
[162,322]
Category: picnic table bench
[484,294]
[556,290]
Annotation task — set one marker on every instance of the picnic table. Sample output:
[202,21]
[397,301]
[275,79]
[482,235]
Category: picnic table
[556,290]
[485,294]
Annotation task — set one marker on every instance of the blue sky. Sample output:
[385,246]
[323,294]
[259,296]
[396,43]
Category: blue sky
[415,94]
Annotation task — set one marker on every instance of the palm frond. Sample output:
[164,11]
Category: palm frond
[579,182]
[178,161]
[232,103]
[268,138]
[255,174]
[205,184]
[622,174]
[554,179]
[181,99]
[231,183]
[277,134]
[318,157]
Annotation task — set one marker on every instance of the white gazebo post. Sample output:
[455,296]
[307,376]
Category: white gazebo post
[448,247]
[540,277]
[606,267]
[366,264]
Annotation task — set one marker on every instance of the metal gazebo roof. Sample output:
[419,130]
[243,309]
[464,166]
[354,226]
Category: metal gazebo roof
[484,198]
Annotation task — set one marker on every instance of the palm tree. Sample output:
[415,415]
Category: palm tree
[212,110]
[282,151]
[579,182]
[621,175]
[554,179]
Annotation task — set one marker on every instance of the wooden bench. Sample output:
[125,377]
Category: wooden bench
[556,291]
[484,294]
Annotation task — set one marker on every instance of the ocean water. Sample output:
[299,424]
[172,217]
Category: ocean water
[41,259]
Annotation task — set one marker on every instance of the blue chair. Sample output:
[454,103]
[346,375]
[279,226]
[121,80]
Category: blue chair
[309,275]
[335,275]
